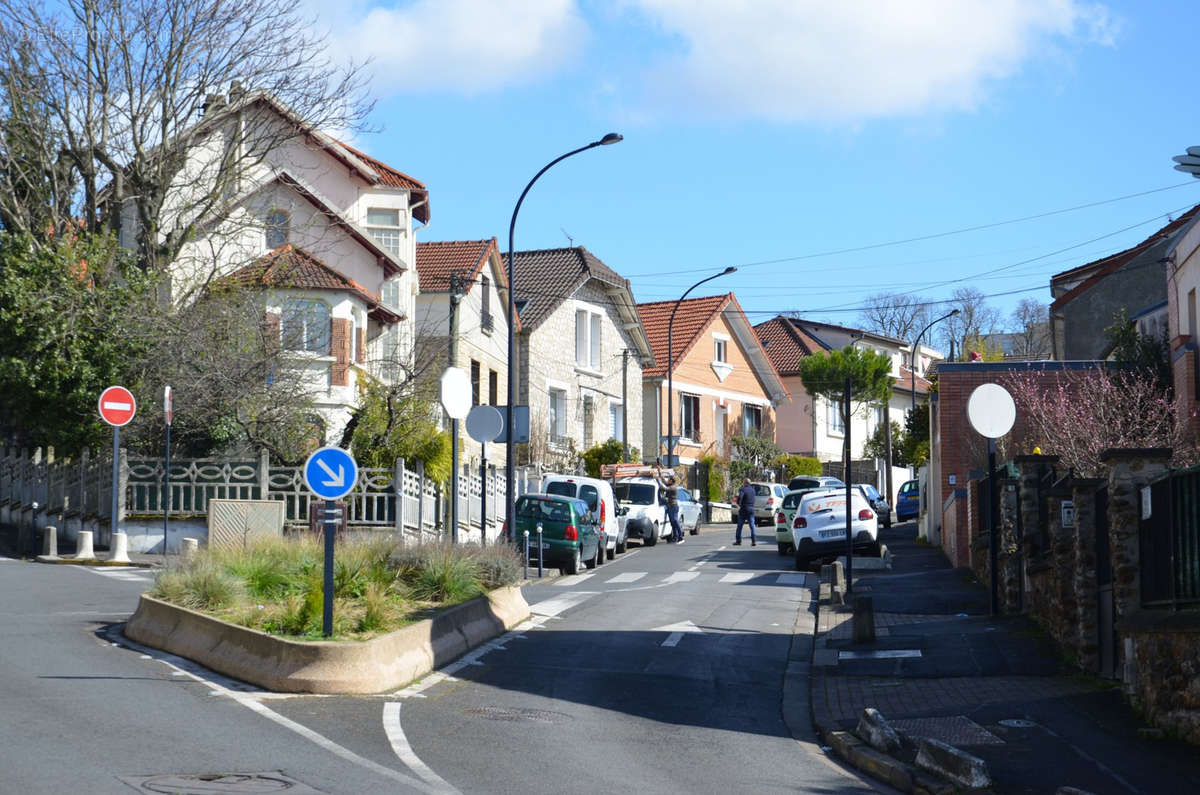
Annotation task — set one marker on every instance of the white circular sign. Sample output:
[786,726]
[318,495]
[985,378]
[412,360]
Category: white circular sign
[991,410]
[484,423]
[456,392]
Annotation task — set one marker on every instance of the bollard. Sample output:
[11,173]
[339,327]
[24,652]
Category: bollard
[864,620]
[190,547]
[84,548]
[539,529]
[525,567]
[120,548]
[50,541]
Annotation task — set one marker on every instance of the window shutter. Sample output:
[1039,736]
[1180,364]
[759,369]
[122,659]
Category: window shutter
[595,340]
[340,336]
[581,335]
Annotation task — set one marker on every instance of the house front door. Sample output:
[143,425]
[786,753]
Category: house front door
[719,429]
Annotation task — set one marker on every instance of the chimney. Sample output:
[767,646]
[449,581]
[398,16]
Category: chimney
[212,102]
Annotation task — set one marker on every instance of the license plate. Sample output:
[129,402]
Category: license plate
[832,533]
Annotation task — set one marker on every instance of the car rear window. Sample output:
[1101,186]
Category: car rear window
[762,490]
[791,500]
[803,483]
[636,493]
[910,485]
[590,495]
[545,510]
[562,488]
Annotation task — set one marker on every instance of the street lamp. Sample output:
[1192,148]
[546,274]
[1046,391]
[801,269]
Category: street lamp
[916,345]
[510,445]
[671,360]
[1189,163]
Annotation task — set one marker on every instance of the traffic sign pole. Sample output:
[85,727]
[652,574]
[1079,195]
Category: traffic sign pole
[116,487]
[168,412]
[117,407]
[330,473]
[330,524]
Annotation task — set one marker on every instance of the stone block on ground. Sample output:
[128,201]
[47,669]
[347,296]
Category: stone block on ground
[955,765]
[874,729]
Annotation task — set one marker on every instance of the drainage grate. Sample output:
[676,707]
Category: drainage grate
[219,784]
[518,714]
[879,654]
[955,730]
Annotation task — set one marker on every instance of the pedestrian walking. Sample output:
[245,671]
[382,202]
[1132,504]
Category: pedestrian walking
[671,492]
[746,497]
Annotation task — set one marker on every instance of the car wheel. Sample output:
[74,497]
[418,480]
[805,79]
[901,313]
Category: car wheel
[575,565]
[887,523]
[695,526]
[652,539]
[594,561]
[876,549]
[782,548]
[621,546]
[610,553]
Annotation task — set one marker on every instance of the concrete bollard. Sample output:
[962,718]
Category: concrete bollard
[864,620]
[84,547]
[190,547]
[120,552]
[50,541]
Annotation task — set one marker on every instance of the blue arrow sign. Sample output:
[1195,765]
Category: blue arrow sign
[330,473]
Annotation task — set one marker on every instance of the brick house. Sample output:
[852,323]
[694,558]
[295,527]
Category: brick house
[325,231]
[724,384]
[482,348]
[581,350]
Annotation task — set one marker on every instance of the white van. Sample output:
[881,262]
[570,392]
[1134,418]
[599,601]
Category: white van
[598,494]
[643,506]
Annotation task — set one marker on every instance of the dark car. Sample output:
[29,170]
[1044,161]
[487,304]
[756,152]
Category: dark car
[571,534]
[877,501]
[908,501]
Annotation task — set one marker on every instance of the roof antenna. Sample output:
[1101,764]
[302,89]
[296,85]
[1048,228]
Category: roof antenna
[567,235]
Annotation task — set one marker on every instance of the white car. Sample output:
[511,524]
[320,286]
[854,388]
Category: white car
[690,512]
[642,509]
[819,526]
[598,494]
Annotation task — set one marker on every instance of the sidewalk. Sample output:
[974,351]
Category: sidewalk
[994,688]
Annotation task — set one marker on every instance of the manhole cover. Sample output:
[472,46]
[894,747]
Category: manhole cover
[1017,723]
[955,730]
[219,784]
[518,714]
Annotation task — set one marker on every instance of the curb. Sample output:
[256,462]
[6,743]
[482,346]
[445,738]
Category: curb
[57,561]
[384,663]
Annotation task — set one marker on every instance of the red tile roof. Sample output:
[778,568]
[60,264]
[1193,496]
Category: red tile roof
[905,381]
[436,260]
[395,179]
[693,317]
[786,343]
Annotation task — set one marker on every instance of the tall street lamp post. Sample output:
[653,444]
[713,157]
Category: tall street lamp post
[510,445]
[671,362]
[916,347]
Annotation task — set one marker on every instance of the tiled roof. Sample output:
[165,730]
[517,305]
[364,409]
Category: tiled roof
[545,278]
[786,342]
[1094,272]
[436,260]
[692,318]
[395,179]
[905,381]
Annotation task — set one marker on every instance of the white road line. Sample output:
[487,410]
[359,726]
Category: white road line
[682,576]
[558,604]
[790,578]
[673,639]
[395,735]
[629,576]
[739,576]
[720,548]
[572,579]
[125,575]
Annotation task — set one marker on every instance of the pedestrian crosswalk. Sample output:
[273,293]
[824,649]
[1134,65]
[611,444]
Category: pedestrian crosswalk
[143,576]
[733,577]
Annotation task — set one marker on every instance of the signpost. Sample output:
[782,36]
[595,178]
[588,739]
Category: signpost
[484,424]
[992,413]
[330,473]
[456,400]
[169,413]
[117,408]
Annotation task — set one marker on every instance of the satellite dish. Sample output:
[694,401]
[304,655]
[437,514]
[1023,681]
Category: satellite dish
[991,410]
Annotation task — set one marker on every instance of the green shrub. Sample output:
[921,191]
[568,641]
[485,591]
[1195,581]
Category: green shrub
[497,566]
[375,608]
[796,465]
[446,577]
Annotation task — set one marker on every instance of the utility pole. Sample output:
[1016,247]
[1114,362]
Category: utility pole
[887,447]
[624,405]
[455,297]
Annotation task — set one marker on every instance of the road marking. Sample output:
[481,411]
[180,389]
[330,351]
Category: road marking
[558,604]
[395,735]
[682,576]
[572,579]
[720,548]
[629,576]
[739,576]
[677,632]
[124,575]
[791,578]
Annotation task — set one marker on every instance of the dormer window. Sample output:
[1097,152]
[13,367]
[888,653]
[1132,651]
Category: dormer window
[278,226]
[384,225]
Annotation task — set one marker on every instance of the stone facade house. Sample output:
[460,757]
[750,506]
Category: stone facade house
[581,351]
[723,383]
[324,230]
[476,270]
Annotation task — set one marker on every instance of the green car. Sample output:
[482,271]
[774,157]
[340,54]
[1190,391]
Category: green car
[787,510]
[571,534]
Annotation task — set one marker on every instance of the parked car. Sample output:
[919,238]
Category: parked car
[783,518]
[815,482]
[819,526]
[690,512]
[767,499]
[642,509]
[598,494]
[571,533]
[883,509]
[908,501]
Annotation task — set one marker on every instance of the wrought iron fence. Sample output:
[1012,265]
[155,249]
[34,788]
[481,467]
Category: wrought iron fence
[1169,536]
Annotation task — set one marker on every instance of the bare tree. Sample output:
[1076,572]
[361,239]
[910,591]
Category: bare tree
[974,319]
[1031,324]
[894,315]
[130,90]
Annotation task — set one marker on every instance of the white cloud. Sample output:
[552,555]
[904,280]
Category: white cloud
[465,46]
[851,60]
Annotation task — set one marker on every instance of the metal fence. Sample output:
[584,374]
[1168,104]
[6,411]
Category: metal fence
[1169,536]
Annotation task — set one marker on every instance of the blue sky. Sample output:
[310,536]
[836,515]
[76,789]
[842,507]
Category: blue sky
[772,134]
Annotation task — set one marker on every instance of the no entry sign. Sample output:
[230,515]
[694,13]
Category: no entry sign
[117,406]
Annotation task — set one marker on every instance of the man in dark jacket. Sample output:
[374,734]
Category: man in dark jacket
[746,497]
[671,492]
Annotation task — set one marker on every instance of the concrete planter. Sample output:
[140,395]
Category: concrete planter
[385,663]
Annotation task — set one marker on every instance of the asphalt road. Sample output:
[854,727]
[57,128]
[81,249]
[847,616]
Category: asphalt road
[671,669]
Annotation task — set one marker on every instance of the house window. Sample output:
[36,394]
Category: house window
[304,326]
[836,425]
[390,295]
[558,416]
[616,415]
[751,420]
[589,414]
[474,383]
[485,295]
[384,225]
[493,388]
[587,339]
[278,223]
[689,425]
[719,350]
